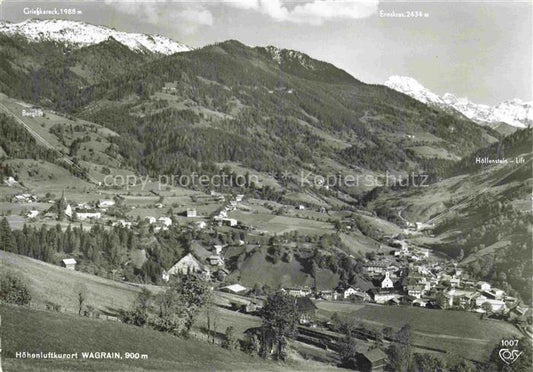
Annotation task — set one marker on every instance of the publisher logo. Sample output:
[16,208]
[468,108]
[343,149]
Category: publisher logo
[508,354]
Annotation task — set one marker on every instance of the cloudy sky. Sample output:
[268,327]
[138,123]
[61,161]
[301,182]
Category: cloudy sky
[480,49]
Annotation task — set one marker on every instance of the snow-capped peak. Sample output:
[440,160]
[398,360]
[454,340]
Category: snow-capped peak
[514,112]
[412,88]
[80,34]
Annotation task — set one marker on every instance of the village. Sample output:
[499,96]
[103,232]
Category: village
[405,275]
[395,273]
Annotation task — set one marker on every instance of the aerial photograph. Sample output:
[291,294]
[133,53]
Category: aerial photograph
[266,185]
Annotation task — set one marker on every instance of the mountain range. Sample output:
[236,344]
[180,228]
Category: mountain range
[80,34]
[514,112]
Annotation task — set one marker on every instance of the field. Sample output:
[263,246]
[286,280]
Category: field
[257,269]
[50,283]
[35,331]
[458,332]
[281,224]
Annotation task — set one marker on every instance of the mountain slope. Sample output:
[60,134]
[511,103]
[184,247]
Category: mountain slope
[514,112]
[484,212]
[80,34]
[228,94]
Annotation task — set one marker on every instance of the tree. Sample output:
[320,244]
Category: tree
[81,296]
[279,321]
[399,352]
[7,241]
[428,362]
[231,342]
[13,289]
[487,307]
[348,353]
[192,294]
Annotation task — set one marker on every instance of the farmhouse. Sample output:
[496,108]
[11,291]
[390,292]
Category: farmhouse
[200,225]
[415,291]
[484,286]
[24,198]
[371,360]
[89,216]
[234,288]
[150,219]
[496,305]
[123,223]
[191,212]
[381,296]
[215,260]
[165,221]
[376,267]
[69,263]
[297,292]
[329,295]
[32,214]
[229,222]
[187,265]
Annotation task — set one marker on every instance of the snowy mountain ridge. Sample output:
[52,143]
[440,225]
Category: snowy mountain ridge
[81,34]
[514,112]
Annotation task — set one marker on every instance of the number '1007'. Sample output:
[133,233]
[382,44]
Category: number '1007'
[510,343]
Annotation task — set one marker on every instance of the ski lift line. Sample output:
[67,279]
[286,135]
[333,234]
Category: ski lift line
[472,197]
[40,139]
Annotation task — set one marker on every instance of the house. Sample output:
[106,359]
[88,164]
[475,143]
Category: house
[306,310]
[69,263]
[229,222]
[387,282]
[200,225]
[239,197]
[356,293]
[376,267]
[234,288]
[24,198]
[215,260]
[187,265]
[455,282]
[349,292]
[150,219]
[106,203]
[33,213]
[221,274]
[461,298]
[297,292]
[301,207]
[123,223]
[191,212]
[218,248]
[88,216]
[170,87]
[329,295]
[415,291]
[496,305]
[484,286]
[371,360]
[167,221]
[381,296]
